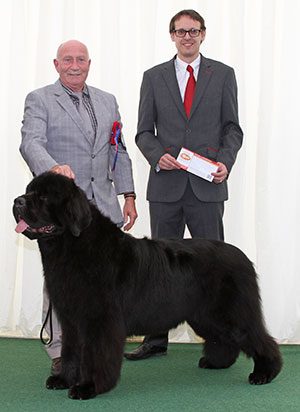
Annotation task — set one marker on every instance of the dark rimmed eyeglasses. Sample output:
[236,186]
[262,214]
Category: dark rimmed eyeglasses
[191,32]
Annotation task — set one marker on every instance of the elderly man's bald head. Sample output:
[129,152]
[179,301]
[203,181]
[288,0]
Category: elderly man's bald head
[71,43]
[72,63]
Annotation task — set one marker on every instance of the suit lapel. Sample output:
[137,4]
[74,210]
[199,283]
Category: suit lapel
[204,76]
[99,110]
[169,75]
[66,103]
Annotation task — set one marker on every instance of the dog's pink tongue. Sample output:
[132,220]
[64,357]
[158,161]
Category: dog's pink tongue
[21,226]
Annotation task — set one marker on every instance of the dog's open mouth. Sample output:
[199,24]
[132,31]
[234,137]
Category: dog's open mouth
[22,226]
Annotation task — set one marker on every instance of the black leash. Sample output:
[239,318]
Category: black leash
[49,315]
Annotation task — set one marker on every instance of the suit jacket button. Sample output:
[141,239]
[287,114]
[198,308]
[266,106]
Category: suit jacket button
[188,130]
[93,156]
[92,179]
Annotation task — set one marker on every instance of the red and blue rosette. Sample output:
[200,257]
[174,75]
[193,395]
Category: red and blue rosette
[115,139]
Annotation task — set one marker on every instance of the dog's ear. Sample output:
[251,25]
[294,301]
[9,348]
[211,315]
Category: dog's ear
[77,214]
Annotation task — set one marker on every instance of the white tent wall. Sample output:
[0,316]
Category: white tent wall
[259,38]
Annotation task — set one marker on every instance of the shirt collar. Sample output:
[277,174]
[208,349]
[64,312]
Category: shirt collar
[71,92]
[183,65]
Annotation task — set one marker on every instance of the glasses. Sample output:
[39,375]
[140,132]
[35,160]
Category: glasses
[191,32]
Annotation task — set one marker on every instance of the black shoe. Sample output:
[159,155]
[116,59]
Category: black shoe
[55,367]
[145,351]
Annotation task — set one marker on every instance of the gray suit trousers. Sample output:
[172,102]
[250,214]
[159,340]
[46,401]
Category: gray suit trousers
[54,348]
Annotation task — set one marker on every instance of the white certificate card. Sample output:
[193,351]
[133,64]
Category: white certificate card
[196,164]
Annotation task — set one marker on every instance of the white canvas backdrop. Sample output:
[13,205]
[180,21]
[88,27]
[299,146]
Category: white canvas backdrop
[259,38]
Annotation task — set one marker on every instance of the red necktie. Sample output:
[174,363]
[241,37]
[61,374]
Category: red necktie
[189,91]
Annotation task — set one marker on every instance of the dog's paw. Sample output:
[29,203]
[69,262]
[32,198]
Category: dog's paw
[55,382]
[84,391]
[205,364]
[259,378]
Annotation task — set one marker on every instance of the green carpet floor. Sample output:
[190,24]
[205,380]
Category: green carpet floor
[170,383]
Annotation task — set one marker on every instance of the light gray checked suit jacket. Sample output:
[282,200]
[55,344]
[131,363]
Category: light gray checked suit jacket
[53,133]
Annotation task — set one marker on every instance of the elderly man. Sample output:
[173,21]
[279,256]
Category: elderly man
[74,129]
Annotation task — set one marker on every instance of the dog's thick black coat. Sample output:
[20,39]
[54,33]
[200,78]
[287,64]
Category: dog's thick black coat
[106,285]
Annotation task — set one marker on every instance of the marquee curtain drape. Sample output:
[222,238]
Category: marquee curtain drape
[259,38]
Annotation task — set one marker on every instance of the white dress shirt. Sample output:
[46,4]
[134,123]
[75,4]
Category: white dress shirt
[183,75]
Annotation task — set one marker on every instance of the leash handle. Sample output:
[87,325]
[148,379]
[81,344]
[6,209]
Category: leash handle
[49,315]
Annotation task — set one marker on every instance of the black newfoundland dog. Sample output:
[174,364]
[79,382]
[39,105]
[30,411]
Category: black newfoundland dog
[106,285]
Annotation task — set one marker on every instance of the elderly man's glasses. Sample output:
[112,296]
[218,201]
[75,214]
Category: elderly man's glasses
[191,32]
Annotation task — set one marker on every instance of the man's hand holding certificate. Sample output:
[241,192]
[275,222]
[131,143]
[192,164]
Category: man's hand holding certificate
[196,164]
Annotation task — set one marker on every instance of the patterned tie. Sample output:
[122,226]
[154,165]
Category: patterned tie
[189,91]
[87,120]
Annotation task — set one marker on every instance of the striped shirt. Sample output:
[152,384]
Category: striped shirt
[87,102]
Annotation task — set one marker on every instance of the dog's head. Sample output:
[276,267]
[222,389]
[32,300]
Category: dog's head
[51,205]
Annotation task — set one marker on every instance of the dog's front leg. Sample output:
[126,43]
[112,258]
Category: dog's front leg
[70,360]
[101,359]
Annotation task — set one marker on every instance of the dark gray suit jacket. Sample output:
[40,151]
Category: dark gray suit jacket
[53,133]
[212,129]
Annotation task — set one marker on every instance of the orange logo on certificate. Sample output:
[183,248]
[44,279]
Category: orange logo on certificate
[185,156]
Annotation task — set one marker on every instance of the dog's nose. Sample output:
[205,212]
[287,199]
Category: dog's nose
[20,201]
